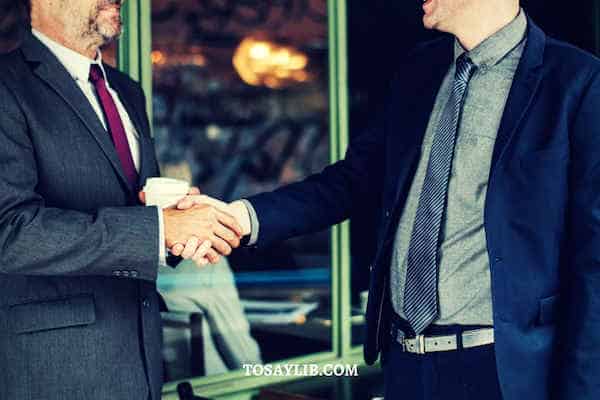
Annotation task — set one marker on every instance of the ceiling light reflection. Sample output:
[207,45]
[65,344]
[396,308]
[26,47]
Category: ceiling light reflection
[264,63]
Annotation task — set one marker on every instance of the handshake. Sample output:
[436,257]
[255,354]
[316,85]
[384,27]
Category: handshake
[198,227]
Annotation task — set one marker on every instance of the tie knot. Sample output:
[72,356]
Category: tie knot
[464,68]
[96,73]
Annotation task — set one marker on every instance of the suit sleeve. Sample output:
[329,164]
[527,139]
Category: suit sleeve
[580,367]
[39,240]
[326,198]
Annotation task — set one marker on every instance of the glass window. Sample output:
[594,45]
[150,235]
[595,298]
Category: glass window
[240,106]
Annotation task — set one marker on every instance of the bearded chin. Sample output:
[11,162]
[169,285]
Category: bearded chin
[110,33]
[108,28]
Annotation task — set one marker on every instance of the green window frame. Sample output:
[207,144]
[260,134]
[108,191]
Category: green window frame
[134,59]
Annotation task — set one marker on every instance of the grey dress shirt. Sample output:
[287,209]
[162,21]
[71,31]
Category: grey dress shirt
[464,285]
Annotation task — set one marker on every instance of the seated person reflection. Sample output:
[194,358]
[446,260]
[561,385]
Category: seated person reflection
[223,332]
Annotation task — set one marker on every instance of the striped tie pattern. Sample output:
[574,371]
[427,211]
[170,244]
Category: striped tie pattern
[421,292]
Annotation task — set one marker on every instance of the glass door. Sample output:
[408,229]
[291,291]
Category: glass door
[240,106]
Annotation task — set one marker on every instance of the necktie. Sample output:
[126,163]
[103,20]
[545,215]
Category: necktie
[115,125]
[421,291]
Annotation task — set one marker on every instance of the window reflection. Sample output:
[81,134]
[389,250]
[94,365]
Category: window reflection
[240,107]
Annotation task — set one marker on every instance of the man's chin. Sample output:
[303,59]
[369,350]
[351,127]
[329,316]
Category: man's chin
[431,23]
[428,23]
[110,34]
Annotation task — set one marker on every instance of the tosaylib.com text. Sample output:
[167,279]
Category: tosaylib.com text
[300,370]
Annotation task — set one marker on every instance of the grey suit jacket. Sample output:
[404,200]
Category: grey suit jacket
[79,312]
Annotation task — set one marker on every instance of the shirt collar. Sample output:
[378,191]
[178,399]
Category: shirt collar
[493,49]
[77,65]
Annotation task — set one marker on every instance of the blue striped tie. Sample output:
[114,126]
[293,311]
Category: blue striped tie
[421,291]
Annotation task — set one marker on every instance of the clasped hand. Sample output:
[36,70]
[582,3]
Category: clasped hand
[202,229]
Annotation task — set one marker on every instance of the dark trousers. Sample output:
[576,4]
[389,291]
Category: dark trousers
[464,374]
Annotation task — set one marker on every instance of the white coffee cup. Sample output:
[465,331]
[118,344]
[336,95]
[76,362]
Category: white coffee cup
[165,192]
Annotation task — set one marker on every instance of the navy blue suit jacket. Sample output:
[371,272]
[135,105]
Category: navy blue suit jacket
[542,213]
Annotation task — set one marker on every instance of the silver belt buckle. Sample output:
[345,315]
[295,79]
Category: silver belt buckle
[415,345]
[420,344]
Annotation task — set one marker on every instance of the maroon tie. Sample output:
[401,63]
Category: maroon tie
[115,125]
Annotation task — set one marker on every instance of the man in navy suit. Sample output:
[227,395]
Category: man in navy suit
[486,161]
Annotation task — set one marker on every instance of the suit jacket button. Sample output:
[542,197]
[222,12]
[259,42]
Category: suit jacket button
[134,274]
[146,303]
[117,273]
[125,274]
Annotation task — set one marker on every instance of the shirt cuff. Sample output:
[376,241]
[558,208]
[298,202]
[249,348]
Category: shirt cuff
[162,251]
[254,224]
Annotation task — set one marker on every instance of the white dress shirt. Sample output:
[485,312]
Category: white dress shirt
[78,66]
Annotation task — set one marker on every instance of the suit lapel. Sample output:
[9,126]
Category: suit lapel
[147,160]
[413,98]
[525,84]
[51,71]
[422,83]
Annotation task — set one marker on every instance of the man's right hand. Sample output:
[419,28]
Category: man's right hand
[203,223]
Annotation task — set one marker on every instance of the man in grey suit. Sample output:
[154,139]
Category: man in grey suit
[79,311]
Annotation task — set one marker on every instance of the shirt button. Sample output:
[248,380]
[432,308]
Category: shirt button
[146,303]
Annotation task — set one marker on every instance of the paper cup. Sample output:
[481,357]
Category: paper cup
[165,192]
